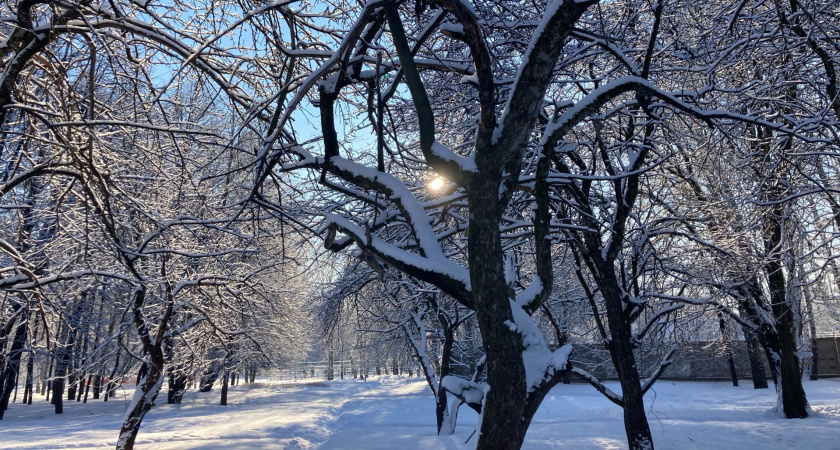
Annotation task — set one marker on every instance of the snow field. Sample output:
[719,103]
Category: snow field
[393,413]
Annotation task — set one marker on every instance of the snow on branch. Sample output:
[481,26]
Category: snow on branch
[530,294]
[39,170]
[469,392]
[666,361]
[24,281]
[395,190]
[541,364]
[537,62]
[449,276]
[557,128]
[600,387]
[440,158]
[466,164]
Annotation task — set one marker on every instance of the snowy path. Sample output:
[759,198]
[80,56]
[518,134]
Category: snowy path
[398,414]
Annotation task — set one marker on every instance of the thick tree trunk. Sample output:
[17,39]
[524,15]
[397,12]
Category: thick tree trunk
[503,425]
[59,378]
[442,413]
[58,391]
[71,386]
[794,402]
[144,398]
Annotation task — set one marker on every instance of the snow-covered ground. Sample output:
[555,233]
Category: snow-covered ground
[391,413]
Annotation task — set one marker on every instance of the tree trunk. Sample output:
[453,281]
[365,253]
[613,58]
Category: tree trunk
[209,378]
[177,385]
[225,376]
[97,385]
[58,391]
[794,402]
[148,388]
[87,388]
[71,386]
[635,420]
[727,348]
[81,385]
[12,366]
[812,328]
[503,425]
[47,381]
[149,385]
[759,376]
[30,373]
[442,413]
[59,378]
[110,389]
[330,365]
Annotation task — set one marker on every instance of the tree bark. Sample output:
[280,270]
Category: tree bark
[759,376]
[502,425]
[441,405]
[635,420]
[97,385]
[794,402]
[30,373]
[177,385]
[12,366]
[225,376]
[727,347]
[149,387]
[812,328]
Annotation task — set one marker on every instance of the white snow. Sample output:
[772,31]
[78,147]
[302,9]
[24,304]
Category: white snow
[471,391]
[417,217]
[540,362]
[530,293]
[389,413]
[456,28]
[466,164]
[438,263]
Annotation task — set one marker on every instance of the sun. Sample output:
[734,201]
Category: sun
[437,184]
